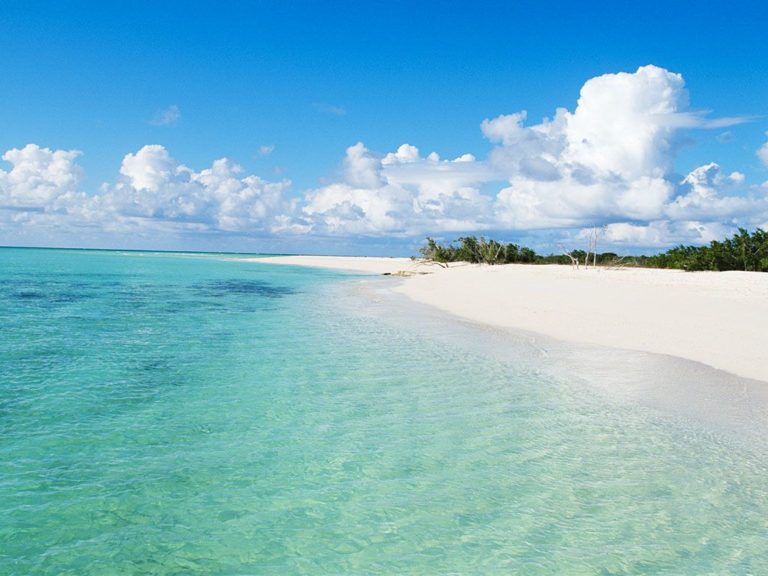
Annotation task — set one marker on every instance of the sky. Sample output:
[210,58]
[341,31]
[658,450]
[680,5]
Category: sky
[363,127]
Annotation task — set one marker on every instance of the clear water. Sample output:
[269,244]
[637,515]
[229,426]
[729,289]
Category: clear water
[167,414]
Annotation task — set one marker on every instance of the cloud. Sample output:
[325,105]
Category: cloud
[332,109]
[153,191]
[610,162]
[570,201]
[762,153]
[40,178]
[662,234]
[725,122]
[399,193]
[156,186]
[40,197]
[166,117]
[611,155]
[266,149]
[149,169]
[703,194]
[725,137]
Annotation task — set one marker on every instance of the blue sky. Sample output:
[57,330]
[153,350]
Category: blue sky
[284,89]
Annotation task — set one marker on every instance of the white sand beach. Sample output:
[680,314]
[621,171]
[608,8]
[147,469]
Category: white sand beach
[716,318]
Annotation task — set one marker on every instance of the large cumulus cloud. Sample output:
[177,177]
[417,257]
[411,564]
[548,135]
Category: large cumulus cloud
[400,193]
[610,159]
[155,186]
[39,178]
[153,190]
[609,162]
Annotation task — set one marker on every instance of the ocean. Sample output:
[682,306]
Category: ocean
[198,414]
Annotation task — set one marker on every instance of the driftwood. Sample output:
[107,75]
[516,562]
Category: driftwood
[617,263]
[406,273]
[574,260]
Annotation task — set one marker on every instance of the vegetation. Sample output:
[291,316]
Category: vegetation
[743,251]
[477,251]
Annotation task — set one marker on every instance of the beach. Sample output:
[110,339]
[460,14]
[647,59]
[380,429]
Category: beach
[715,318]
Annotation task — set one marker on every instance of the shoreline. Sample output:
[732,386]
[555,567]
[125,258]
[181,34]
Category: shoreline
[686,392]
[713,318]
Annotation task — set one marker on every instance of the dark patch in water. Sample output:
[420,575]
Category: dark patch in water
[246,288]
[29,295]
[50,296]
[157,364]
[64,297]
[48,292]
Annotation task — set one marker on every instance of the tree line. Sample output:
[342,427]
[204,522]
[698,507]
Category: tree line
[743,251]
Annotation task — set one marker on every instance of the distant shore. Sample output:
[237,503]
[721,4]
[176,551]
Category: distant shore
[716,318]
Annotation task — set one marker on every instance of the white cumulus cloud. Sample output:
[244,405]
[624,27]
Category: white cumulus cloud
[609,162]
[152,191]
[663,233]
[707,193]
[609,158]
[399,193]
[156,186]
[39,177]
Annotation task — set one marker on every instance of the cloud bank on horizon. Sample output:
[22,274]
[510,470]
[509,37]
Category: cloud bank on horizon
[609,163]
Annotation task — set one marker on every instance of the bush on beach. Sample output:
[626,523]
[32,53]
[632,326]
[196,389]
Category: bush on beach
[743,251]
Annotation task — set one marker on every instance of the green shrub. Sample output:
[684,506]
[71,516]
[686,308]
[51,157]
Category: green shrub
[743,251]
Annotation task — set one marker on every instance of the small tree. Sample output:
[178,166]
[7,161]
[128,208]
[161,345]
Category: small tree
[571,255]
[594,234]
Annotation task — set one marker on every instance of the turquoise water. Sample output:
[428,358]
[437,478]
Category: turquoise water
[176,414]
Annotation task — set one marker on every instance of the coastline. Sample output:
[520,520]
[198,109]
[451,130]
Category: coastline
[713,318]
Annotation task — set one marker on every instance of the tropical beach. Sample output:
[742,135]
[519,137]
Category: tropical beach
[709,317]
[358,288]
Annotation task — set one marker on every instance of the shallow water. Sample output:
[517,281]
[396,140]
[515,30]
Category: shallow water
[170,414]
